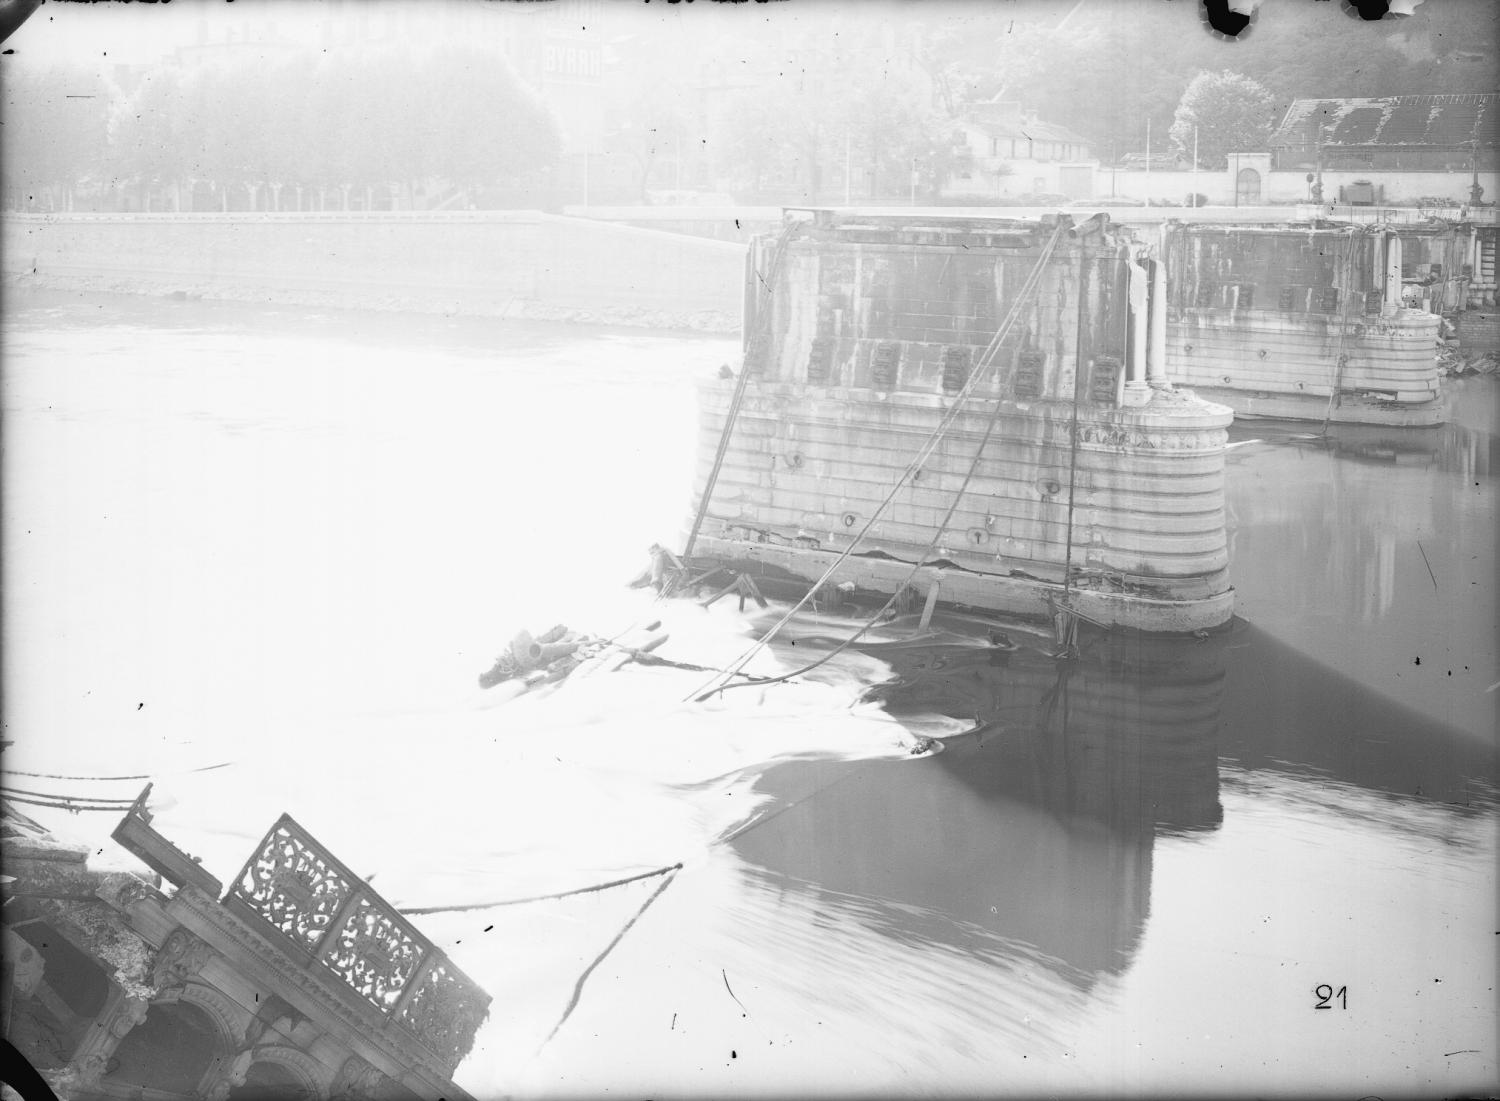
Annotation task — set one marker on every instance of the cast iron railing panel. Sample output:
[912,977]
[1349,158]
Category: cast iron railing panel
[295,887]
[373,954]
[316,904]
[445,1011]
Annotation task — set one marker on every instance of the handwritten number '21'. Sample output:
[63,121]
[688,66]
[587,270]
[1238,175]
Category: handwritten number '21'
[1326,995]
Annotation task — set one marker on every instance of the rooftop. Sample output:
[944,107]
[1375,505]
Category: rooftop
[1007,120]
[1411,121]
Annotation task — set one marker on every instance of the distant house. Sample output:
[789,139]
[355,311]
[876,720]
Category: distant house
[1419,133]
[1005,150]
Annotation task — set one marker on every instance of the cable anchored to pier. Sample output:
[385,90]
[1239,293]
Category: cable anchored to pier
[981,372]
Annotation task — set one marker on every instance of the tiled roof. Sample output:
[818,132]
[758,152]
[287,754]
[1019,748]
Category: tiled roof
[1021,128]
[1445,121]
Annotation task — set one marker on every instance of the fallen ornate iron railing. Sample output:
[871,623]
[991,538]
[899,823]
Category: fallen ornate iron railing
[312,902]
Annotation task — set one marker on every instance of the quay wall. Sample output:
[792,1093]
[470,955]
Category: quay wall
[494,263]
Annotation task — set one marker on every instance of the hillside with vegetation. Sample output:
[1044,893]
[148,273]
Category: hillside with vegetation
[742,98]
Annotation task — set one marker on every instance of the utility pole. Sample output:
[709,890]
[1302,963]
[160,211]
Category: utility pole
[848,166]
[1148,160]
[1317,191]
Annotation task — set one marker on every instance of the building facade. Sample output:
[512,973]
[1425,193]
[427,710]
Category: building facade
[298,981]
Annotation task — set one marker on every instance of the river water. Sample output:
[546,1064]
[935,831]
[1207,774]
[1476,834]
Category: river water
[286,543]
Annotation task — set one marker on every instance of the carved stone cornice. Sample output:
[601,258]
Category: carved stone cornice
[296,981]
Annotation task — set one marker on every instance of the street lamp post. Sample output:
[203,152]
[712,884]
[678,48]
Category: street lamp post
[1476,193]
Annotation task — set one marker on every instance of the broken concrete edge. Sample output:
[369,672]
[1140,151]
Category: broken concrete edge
[780,570]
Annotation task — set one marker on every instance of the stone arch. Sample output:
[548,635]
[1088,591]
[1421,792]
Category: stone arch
[229,1018]
[279,1073]
[176,1049]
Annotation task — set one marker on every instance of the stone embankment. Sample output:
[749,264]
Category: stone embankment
[515,264]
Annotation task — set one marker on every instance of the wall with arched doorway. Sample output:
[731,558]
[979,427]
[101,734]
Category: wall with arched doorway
[1247,187]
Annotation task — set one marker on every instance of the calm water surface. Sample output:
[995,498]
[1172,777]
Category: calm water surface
[289,542]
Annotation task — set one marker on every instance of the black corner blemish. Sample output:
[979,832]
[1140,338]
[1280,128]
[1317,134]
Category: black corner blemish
[1417,661]
[1367,10]
[1223,22]
[734,1055]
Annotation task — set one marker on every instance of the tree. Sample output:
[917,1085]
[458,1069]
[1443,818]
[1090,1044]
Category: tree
[145,136]
[483,127]
[1222,113]
[652,127]
[56,133]
[838,108]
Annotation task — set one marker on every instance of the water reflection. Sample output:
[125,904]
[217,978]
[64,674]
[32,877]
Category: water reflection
[1449,448]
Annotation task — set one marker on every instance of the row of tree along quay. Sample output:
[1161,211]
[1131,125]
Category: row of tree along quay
[311,132]
[824,107]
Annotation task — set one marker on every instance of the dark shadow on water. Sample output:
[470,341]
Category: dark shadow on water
[1040,827]
[1285,710]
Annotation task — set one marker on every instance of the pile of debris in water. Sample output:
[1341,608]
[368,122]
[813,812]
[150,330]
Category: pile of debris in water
[530,662]
[1454,362]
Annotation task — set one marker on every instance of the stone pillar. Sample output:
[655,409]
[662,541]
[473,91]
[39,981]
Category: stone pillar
[1392,271]
[121,1013]
[1156,356]
[1137,392]
[1140,316]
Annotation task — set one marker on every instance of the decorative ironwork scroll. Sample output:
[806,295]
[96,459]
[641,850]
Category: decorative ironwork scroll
[294,884]
[445,1012]
[373,954]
